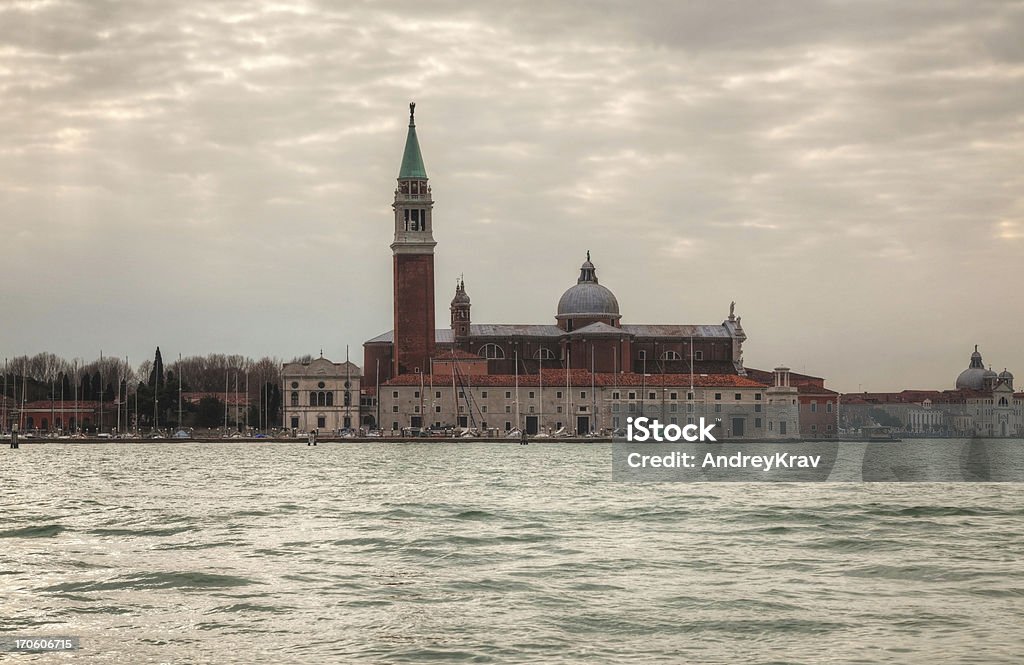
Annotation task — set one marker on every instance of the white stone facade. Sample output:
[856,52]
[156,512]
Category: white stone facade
[321,395]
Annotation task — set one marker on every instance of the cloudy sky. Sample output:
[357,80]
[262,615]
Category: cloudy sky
[217,176]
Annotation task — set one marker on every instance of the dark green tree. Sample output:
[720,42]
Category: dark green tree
[156,375]
[210,412]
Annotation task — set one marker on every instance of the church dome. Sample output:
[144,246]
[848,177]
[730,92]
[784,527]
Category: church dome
[973,378]
[1006,374]
[587,297]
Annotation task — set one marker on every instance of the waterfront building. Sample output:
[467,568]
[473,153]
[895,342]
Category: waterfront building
[819,406]
[69,415]
[982,403]
[578,401]
[321,395]
[587,338]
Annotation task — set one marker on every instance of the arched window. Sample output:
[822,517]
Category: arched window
[492,351]
[295,399]
[312,399]
[1003,402]
[544,354]
[330,399]
[348,398]
[671,355]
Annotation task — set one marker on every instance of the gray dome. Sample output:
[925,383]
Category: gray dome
[588,298]
[1005,374]
[972,378]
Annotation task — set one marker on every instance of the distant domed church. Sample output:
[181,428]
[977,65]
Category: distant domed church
[587,333]
[978,377]
[580,372]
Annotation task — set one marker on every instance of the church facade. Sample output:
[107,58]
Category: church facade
[597,367]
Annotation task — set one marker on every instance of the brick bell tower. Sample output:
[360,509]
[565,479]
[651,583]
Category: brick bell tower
[413,251]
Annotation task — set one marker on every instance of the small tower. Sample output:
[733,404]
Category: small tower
[783,409]
[460,312]
[413,251]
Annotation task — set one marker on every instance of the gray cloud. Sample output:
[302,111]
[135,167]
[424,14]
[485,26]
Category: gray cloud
[217,176]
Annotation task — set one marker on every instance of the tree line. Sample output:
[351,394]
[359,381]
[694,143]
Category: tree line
[150,391]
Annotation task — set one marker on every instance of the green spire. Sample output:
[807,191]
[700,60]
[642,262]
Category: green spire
[412,160]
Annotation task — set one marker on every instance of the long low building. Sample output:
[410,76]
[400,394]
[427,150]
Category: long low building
[582,402]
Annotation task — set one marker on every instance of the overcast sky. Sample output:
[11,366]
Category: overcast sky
[217,176]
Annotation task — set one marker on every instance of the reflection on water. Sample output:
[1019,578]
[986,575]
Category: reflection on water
[495,552]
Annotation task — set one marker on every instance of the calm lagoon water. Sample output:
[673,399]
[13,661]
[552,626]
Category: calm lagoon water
[491,552]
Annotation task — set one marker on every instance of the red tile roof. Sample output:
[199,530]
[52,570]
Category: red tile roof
[68,405]
[804,389]
[583,378]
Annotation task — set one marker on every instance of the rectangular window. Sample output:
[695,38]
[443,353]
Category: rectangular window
[828,407]
[558,409]
[531,409]
[437,394]
[508,425]
[698,355]
[508,409]
[394,393]
[814,428]
[508,394]
[394,409]
[615,407]
[718,408]
[531,394]
[642,355]
[583,409]
[814,407]
[739,397]
[757,422]
[757,408]
[632,395]
[483,409]
[462,395]
[673,408]
[558,394]
[437,409]
[583,394]
[484,394]
[689,395]
[615,395]
[673,395]
[652,396]
[757,396]
[416,409]
[718,395]
[394,425]
[416,394]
